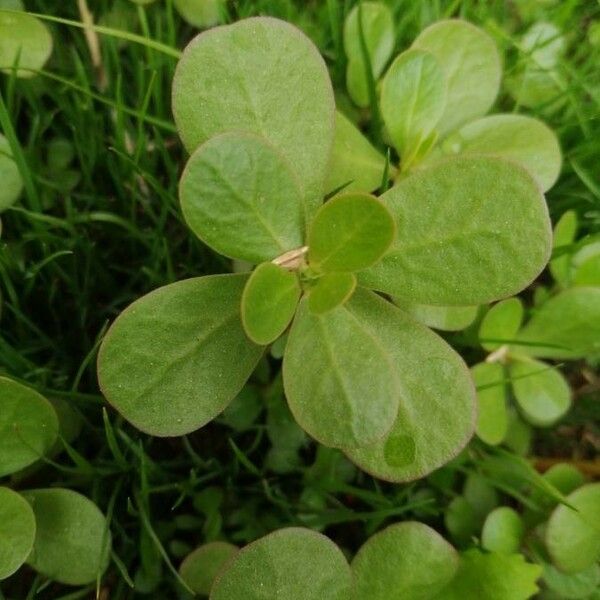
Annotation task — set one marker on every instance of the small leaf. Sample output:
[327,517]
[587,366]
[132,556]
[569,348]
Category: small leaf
[268,63]
[543,394]
[354,162]
[413,98]
[470,230]
[292,563]
[239,196]
[26,41]
[461,521]
[269,302]
[28,426]
[405,560]
[503,531]
[501,324]
[175,358]
[544,44]
[379,37]
[201,13]
[566,326]
[331,290]
[518,435]
[445,318]
[586,264]
[349,233]
[471,64]
[72,540]
[492,417]
[12,184]
[17,531]
[575,586]
[573,536]
[201,567]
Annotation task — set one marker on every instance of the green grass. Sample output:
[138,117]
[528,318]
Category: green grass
[72,257]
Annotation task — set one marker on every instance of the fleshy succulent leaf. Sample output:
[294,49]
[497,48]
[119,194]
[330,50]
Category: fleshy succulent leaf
[503,531]
[492,416]
[17,531]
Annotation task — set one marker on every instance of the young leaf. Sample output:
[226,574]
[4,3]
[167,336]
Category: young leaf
[501,324]
[239,196]
[12,184]
[72,540]
[17,531]
[445,318]
[379,37]
[289,563]
[201,13]
[471,65]
[340,396]
[542,393]
[354,162]
[573,536]
[175,358]
[331,290]
[566,326]
[436,416]
[28,426]
[413,98]
[349,233]
[26,41]
[406,560]
[524,140]
[242,77]
[503,531]
[492,417]
[201,567]
[470,230]
[269,302]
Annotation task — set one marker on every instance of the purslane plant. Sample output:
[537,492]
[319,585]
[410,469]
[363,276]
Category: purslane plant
[254,105]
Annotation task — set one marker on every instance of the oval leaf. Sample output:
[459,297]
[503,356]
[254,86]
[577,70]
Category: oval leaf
[471,64]
[239,197]
[273,83]
[17,531]
[349,233]
[331,290]
[492,416]
[565,232]
[12,184]
[174,359]
[201,13]
[72,540]
[445,318]
[289,563]
[501,324]
[406,560]
[470,230]
[269,302]
[503,531]
[201,567]
[28,426]
[436,416]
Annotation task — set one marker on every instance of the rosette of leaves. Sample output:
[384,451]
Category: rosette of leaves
[359,373]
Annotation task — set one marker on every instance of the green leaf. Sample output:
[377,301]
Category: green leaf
[200,568]
[72,540]
[269,302]
[28,426]
[175,358]
[492,577]
[501,324]
[573,536]
[405,560]
[572,587]
[503,531]
[542,393]
[379,36]
[12,184]
[201,13]
[471,64]
[341,397]
[17,531]
[413,98]
[292,563]
[566,326]
[481,495]
[461,521]
[544,44]
[535,88]
[492,416]
[445,318]
[260,76]
[519,434]
[436,417]
[331,290]
[26,41]
[524,140]
[349,233]
[239,196]
[354,162]
[586,264]
[470,230]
